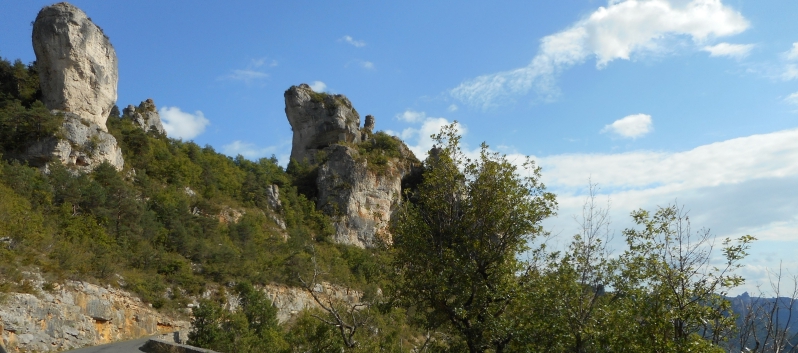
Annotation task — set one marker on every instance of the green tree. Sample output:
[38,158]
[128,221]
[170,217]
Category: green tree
[671,281]
[457,247]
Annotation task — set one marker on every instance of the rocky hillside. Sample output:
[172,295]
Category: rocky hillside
[110,230]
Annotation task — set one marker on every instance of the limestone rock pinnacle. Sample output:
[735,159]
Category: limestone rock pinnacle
[319,120]
[76,62]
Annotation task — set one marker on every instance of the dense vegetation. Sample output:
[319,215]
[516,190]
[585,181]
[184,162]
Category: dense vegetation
[464,273]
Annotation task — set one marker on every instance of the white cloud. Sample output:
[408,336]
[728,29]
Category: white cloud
[734,187]
[790,72]
[246,75]
[411,116]
[792,99]
[422,136]
[452,108]
[630,126]
[737,51]
[368,65]
[616,31]
[182,125]
[263,62]
[732,161]
[792,54]
[356,43]
[318,86]
[247,150]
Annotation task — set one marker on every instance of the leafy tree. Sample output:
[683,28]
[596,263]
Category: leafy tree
[456,249]
[671,283]
[252,327]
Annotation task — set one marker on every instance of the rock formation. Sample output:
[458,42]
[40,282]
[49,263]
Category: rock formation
[77,314]
[358,194]
[76,62]
[78,76]
[318,121]
[145,116]
[359,199]
[81,146]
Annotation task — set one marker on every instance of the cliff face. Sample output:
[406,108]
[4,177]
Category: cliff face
[360,173]
[77,314]
[77,66]
[359,199]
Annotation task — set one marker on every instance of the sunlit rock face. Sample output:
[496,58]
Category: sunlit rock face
[77,68]
[359,196]
[76,62]
[145,116]
[319,120]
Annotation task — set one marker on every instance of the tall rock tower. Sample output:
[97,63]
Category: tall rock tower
[78,73]
[359,173]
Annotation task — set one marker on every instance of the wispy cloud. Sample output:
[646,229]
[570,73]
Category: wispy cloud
[253,72]
[616,31]
[790,72]
[452,108]
[246,75]
[368,65]
[354,42]
[630,126]
[792,99]
[182,125]
[792,54]
[318,86]
[737,51]
[263,62]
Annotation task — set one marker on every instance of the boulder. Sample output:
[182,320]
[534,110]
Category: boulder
[145,116]
[319,120]
[76,62]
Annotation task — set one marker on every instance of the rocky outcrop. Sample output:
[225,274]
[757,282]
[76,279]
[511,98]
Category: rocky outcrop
[318,121]
[80,145]
[359,199]
[145,116]
[76,62]
[78,75]
[77,314]
[359,184]
[289,301]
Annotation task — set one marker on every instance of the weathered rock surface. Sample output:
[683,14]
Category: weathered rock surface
[359,197]
[289,301]
[78,314]
[145,116]
[81,145]
[318,121]
[360,200]
[78,75]
[76,62]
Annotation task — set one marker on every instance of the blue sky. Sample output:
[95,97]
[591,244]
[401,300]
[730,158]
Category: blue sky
[654,100]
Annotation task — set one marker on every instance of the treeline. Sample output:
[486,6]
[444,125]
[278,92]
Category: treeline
[467,272]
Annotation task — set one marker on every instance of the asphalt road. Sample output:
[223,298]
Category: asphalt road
[131,346]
